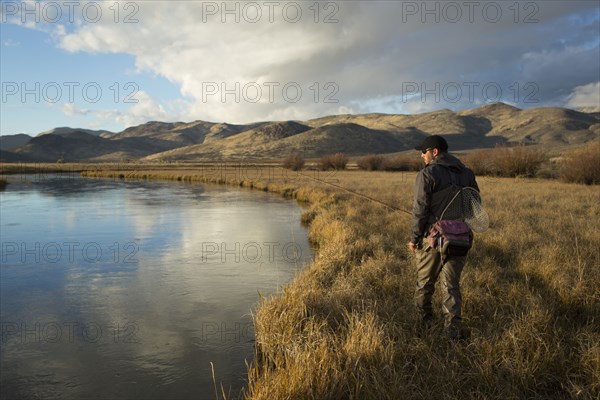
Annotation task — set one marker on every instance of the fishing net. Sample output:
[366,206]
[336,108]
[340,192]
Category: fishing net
[466,206]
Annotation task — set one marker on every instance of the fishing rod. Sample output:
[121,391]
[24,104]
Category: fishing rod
[364,196]
[477,218]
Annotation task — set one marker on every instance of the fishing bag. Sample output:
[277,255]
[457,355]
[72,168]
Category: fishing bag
[450,237]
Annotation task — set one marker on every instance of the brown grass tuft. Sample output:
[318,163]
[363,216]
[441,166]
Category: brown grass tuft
[582,166]
[371,162]
[377,162]
[403,163]
[295,162]
[337,161]
[515,161]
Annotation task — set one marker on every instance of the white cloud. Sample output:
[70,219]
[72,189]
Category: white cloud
[368,54]
[10,43]
[146,109]
[70,110]
[170,41]
[587,96]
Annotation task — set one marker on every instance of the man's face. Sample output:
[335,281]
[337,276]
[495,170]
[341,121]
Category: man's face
[429,155]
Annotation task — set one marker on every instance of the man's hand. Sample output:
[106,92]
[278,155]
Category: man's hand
[411,246]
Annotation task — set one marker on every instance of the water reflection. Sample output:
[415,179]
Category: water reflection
[116,290]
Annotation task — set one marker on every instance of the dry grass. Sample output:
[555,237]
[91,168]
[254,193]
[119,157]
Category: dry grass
[345,327]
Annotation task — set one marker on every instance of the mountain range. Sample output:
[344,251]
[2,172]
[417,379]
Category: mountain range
[482,127]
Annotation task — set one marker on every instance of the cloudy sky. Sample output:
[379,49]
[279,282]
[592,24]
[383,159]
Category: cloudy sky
[113,64]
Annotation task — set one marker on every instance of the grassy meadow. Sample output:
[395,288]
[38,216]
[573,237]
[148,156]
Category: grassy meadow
[345,327]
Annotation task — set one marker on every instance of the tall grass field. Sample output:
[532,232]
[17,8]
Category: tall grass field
[346,328]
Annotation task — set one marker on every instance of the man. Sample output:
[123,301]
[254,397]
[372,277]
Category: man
[433,183]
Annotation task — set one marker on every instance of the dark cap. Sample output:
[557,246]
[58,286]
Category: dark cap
[433,142]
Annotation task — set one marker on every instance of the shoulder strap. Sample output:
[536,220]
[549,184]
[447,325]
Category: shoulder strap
[454,191]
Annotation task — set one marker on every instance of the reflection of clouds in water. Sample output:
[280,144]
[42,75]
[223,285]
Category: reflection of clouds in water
[194,297]
[149,210]
[70,220]
[170,303]
[185,309]
[143,222]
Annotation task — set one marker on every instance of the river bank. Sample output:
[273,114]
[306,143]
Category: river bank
[345,328]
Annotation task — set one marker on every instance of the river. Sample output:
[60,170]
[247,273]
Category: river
[115,289]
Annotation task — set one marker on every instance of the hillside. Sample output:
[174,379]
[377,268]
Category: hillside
[10,142]
[81,146]
[255,142]
[65,130]
[549,126]
[482,127]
